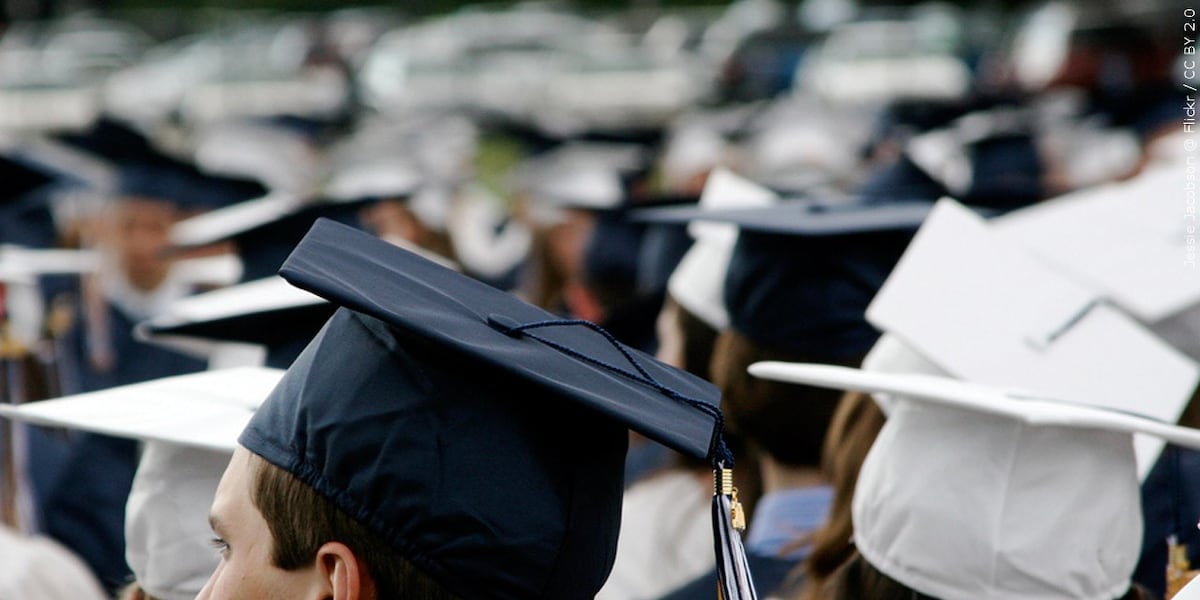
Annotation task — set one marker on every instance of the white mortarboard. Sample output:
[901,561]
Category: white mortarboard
[692,149]
[698,282]
[486,240]
[379,178]
[268,314]
[190,424]
[24,265]
[1133,250]
[585,175]
[44,107]
[278,158]
[265,229]
[972,491]
[216,270]
[318,92]
[224,223]
[986,311]
[1190,591]
[204,410]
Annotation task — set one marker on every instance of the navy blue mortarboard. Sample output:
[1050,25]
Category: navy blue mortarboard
[27,187]
[803,272]
[481,437]
[18,178]
[144,171]
[184,186]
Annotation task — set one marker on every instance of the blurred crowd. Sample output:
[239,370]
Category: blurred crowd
[151,189]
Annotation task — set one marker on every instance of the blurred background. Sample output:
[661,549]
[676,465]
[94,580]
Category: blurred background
[151,151]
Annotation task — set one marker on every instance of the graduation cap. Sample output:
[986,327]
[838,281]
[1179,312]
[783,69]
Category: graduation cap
[205,410]
[190,424]
[271,154]
[985,310]
[183,185]
[698,282]
[266,312]
[434,373]
[1189,592]
[580,175]
[146,171]
[1136,238]
[803,271]
[1040,492]
[264,230]
[18,178]
[380,178]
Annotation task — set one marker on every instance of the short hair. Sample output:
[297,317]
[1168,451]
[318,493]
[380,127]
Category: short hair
[301,520]
[787,421]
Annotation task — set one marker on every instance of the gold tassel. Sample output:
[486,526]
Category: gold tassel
[1179,568]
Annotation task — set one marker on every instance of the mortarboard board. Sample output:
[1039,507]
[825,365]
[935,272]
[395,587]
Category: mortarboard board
[144,170]
[1136,240]
[1189,592]
[203,410]
[183,185]
[698,282]
[399,348]
[985,158]
[217,270]
[985,310]
[18,177]
[375,179]
[24,265]
[585,175]
[190,424]
[490,244]
[265,230]
[266,312]
[274,156]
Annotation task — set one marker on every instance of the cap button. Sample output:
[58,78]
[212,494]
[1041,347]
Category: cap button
[506,325]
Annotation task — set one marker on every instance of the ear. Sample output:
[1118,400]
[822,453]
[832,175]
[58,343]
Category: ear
[340,570]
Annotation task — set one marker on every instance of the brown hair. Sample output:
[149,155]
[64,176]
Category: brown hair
[699,339]
[855,425]
[860,580]
[301,520]
[134,591]
[787,421]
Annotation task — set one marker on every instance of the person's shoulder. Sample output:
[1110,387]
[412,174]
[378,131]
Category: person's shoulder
[37,568]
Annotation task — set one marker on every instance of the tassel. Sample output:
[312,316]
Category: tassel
[1179,568]
[733,572]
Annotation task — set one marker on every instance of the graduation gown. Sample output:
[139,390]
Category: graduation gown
[84,508]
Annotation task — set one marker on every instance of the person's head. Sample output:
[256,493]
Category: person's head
[796,297]
[685,340]
[855,424]
[394,218]
[437,449]
[137,232]
[279,538]
[858,579]
[788,422]
[984,512]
